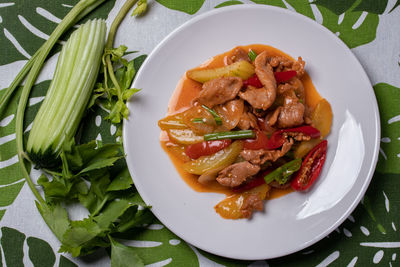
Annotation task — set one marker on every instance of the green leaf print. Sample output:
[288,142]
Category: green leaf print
[27,24]
[12,242]
[353,27]
[229,3]
[12,180]
[388,98]
[64,262]
[40,253]
[338,7]
[158,244]
[187,6]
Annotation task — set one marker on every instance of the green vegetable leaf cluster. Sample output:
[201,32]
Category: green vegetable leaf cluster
[90,175]
[112,92]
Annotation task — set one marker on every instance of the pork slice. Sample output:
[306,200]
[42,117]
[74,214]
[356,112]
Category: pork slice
[250,204]
[261,156]
[238,54]
[291,116]
[266,76]
[219,91]
[258,98]
[236,174]
[247,121]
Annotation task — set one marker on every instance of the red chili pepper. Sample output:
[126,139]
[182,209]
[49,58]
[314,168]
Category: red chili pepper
[310,168]
[277,138]
[284,75]
[259,180]
[260,142]
[206,148]
[253,81]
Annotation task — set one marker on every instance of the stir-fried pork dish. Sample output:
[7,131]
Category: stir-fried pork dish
[250,122]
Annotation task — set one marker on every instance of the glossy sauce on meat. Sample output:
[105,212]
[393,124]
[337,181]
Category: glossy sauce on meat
[182,98]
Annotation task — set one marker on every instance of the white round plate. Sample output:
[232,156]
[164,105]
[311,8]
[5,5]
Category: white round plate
[296,220]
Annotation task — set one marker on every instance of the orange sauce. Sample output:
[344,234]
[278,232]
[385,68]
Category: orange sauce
[188,89]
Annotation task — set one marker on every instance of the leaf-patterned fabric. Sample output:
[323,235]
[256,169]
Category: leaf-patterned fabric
[371,235]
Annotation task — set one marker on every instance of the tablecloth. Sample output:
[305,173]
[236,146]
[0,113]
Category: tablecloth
[369,237]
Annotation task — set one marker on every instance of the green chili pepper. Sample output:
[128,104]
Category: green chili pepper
[282,173]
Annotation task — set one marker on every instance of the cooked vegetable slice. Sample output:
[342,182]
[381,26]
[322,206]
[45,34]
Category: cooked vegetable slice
[221,159]
[243,134]
[184,136]
[253,81]
[321,118]
[217,118]
[172,122]
[70,90]
[284,75]
[231,207]
[242,69]
[206,148]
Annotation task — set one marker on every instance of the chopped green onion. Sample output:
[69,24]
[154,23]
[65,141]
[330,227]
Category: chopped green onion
[198,120]
[230,135]
[217,118]
[282,173]
[252,55]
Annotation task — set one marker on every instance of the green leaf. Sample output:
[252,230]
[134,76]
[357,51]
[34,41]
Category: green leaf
[40,252]
[101,163]
[388,98]
[12,242]
[123,256]
[112,212]
[121,181]
[187,6]
[79,233]
[96,198]
[56,217]
[229,3]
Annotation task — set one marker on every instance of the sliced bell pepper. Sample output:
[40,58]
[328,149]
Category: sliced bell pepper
[253,81]
[277,139]
[260,142]
[284,76]
[206,148]
[311,167]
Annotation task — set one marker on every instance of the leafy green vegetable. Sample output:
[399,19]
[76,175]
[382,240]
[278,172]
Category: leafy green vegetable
[123,256]
[93,174]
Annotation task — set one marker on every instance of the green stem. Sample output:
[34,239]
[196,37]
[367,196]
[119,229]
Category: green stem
[230,135]
[217,118]
[76,13]
[110,41]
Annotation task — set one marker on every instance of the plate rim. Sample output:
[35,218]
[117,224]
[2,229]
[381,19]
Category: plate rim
[376,121]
